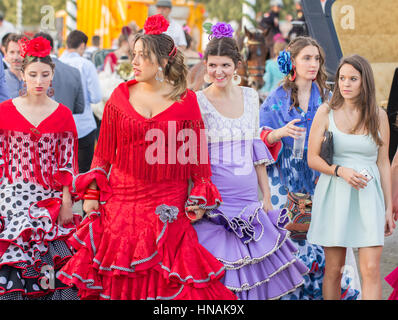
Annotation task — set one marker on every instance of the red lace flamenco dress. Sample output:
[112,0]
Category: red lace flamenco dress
[141,244]
[36,163]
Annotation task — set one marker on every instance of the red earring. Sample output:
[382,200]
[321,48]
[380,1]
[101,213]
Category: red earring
[293,77]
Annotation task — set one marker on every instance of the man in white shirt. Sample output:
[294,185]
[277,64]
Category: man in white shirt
[85,122]
[175,30]
[5,27]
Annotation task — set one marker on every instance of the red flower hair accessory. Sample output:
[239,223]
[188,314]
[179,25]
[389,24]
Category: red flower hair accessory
[156,24]
[37,47]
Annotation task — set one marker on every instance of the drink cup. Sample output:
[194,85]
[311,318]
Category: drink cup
[298,146]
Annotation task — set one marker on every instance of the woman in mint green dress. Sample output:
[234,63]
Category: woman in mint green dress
[351,209]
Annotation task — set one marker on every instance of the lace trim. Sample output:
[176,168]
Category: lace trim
[266,162]
[88,282]
[167,213]
[245,286]
[80,174]
[222,269]
[219,128]
[240,263]
[150,298]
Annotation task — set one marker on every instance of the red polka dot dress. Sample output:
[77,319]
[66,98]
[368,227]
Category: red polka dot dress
[35,164]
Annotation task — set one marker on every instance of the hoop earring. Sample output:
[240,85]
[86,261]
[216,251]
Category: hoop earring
[159,75]
[236,79]
[206,78]
[293,77]
[50,90]
[24,91]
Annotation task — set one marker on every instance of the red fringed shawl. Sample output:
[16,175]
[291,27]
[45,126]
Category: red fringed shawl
[46,154]
[170,145]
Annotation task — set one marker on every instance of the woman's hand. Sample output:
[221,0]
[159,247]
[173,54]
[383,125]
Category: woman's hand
[390,224]
[353,178]
[198,212]
[395,208]
[65,215]
[267,205]
[290,130]
[90,206]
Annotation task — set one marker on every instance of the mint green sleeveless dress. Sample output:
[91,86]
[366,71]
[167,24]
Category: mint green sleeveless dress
[341,215]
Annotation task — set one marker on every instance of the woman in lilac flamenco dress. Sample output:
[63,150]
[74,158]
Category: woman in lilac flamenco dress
[245,234]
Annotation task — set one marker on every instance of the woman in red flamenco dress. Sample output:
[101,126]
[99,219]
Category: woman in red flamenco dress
[137,242]
[38,156]
[392,278]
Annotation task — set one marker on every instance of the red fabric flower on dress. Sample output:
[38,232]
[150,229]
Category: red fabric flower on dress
[156,24]
[37,47]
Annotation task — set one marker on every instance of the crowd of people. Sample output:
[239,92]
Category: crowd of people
[190,195]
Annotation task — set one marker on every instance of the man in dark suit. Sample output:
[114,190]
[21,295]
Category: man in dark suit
[3,86]
[67,84]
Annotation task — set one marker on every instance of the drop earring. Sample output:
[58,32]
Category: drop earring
[24,91]
[50,90]
[159,75]
[206,78]
[293,77]
[236,79]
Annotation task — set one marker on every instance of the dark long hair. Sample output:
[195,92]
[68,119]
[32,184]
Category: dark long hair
[366,100]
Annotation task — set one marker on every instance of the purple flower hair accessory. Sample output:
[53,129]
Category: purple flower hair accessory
[219,30]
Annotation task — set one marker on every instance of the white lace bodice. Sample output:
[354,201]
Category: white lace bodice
[220,128]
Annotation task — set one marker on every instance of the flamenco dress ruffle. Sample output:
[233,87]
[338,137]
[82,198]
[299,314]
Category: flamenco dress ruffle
[392,280]
[253,244]
[140,245]
[33,246]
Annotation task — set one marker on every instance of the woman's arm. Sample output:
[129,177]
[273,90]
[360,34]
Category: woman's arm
[318,128]
[289,130]
[65,215]
[394,185]
[383,163]
[262,178]
[315,139]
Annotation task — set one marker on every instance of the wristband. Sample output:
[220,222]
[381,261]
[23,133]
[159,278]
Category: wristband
[90,197]
[93,191]
[335,171]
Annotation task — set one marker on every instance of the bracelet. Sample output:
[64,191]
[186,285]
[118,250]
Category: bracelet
[335,171]
[91,197]
[93,191]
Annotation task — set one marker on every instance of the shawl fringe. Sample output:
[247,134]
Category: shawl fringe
[153,150]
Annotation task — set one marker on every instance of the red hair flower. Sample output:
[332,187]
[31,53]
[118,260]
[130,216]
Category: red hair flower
[156,24]
[37,47]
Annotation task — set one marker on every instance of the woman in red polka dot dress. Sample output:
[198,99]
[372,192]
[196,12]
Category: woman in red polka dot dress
[38,144]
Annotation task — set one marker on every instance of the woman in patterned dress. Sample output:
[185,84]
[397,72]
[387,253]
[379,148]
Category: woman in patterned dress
[38,145]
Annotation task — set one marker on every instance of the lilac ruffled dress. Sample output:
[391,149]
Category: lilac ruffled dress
[253,244]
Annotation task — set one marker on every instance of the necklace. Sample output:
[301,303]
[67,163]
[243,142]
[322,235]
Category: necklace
[347,121]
